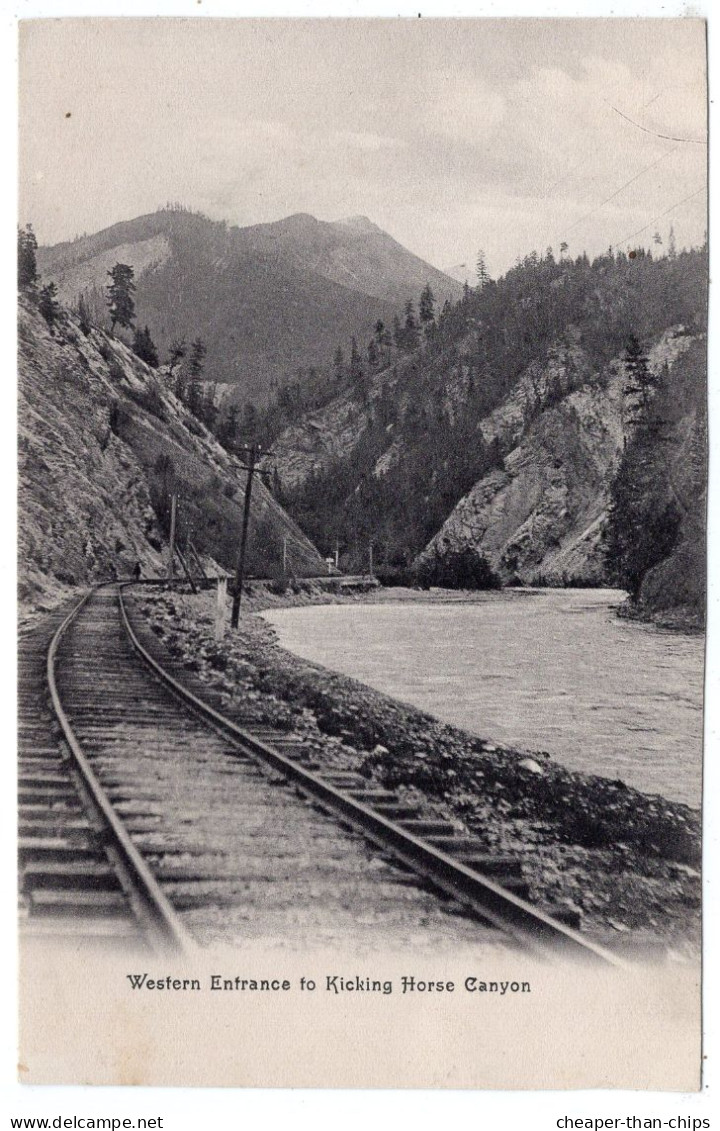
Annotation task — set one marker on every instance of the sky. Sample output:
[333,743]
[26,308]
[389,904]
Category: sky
[452,135]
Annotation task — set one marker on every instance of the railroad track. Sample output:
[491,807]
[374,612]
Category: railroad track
[77,881]
[114,840]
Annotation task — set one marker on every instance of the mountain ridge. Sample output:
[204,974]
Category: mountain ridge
[267,299]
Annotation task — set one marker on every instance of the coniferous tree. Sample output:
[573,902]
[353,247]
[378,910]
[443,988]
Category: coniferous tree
[120,299]
[339,365]
[373,356]
[228,429]
[427,307]
[49,306]
[641,381]
[483,278]
[84,316]
[411,336]
[27,262]
[383,341]
[145,348]
[398,333]
[198,351]
[672,249]
[194,399]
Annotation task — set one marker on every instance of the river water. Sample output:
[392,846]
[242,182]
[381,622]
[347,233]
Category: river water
[552,670]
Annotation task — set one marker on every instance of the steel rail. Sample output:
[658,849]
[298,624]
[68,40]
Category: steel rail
[156,916]
[531,927]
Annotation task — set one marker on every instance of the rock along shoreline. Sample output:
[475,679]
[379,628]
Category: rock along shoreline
[627,863]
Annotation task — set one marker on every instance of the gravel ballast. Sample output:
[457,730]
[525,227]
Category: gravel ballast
[626,862]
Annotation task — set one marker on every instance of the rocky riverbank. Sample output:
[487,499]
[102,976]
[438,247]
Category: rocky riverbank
[627,863]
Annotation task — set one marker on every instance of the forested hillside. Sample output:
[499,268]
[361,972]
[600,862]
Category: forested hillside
[655,538]
[516,401]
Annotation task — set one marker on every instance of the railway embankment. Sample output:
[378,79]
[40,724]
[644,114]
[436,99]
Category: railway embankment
[624,862]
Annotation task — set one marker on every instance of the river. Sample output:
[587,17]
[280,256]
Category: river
[552,670]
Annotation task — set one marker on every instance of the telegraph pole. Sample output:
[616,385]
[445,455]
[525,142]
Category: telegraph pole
[253,451]
[173,516]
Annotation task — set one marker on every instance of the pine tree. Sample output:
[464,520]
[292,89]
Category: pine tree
[483,277]
[120,296]
[194,400]
[145,348]
[427,307]
[250,422]
[27,262]
[198,352]
[49,306]
[84,316]
[383,342]
[641,381]
[672,249]
[411,336]
[228,429]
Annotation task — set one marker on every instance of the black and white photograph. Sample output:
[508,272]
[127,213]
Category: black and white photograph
[362,488]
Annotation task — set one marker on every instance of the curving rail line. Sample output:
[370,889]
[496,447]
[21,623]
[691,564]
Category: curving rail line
[81,878]
[151,873]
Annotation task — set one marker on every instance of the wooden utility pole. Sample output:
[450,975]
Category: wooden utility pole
[173,517]
[371,559]
[253,452]
[284,557]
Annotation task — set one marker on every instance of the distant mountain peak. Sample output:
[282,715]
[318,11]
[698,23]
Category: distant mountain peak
[299,220]
[358,224]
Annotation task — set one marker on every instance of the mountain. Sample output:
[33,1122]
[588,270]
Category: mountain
[500,438]
[267,300]
[354,253]
[103,443]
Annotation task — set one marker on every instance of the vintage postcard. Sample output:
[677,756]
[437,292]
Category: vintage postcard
[362,377]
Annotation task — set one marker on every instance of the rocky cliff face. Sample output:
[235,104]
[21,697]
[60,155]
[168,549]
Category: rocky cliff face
[101,443]
[540,519]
